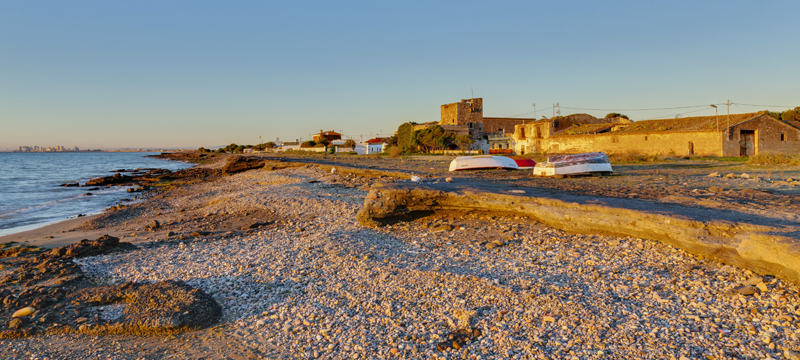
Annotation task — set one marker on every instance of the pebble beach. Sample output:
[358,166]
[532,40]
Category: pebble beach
[312,283]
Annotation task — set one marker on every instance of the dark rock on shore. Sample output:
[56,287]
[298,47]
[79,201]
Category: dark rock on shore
[158,308]
[102,246]
[109,180]
[49,294]
[70,185]
[237,164]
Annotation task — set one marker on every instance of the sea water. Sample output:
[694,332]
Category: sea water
[30,191]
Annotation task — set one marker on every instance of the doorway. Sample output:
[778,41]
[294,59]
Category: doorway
[747,142]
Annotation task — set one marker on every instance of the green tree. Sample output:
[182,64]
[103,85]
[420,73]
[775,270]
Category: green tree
[613,115]
[791,115]
[239,149]
[308,144]
[350,143]
[270,145]
[392,141]
[433,138]
[231,148]
[464,142]
[406,139]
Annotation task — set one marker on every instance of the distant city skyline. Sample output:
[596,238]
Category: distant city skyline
[105,75]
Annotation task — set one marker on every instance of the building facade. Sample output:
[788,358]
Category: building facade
[735,135]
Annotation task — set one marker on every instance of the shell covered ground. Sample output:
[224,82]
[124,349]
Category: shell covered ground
[298,277]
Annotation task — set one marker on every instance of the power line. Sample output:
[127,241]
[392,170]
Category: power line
[528,113]
[787,106]
[666,108]
[673,116]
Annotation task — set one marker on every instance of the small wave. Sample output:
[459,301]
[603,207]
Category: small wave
[45,206]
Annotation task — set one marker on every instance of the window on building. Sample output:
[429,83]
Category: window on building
[500,131]
[783,137]
[470,125]
[645,138]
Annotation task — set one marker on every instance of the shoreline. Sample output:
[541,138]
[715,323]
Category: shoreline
[61,233]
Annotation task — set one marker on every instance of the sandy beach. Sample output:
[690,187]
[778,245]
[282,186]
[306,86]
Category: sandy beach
[51,236]
[297,276]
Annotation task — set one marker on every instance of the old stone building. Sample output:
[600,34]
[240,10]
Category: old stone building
[734,135]
[466,116]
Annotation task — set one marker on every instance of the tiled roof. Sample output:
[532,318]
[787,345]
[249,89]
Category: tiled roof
[585,129]
[793,123]
[688,124]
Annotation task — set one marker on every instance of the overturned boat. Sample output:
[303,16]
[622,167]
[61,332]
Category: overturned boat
[524,163]
[482,162]
[578,164]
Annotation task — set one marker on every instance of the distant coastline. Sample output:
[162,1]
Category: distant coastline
[156,150]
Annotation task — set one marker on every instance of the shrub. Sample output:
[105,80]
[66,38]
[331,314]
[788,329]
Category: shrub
[406,138]
[633,158]
[394,152]
[308,144]
[774,159]
[350,143]
[613,115]
[464,142]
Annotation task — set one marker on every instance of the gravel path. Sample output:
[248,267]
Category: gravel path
[319,285]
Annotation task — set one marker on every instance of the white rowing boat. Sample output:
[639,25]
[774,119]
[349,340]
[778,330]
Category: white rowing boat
[482,162]
[578,164]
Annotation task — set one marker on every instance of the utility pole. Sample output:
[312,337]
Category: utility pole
[728,120]
[716,117]
[534,111]
[554,110]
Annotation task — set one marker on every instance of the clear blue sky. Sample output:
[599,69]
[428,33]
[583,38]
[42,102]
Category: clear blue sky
[107,74]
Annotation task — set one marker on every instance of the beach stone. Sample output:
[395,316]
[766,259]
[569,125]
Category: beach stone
[791,355]
[23,312]
[16,323]
[753,280]
[745,289]
[155,224]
